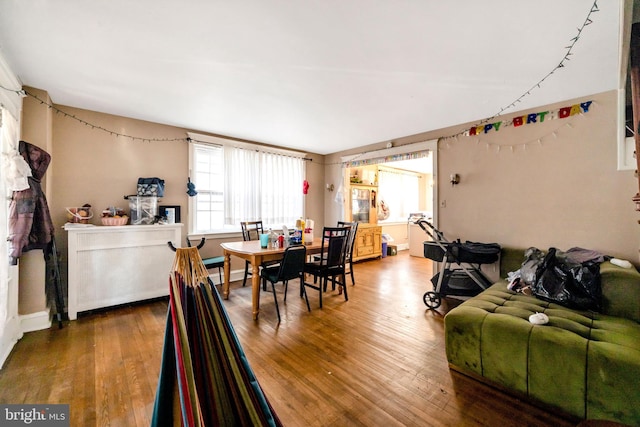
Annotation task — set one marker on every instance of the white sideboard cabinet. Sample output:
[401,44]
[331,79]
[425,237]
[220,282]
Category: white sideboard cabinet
[111,265]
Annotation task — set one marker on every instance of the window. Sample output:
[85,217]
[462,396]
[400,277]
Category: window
[208,177]
[399,191]
[243,182]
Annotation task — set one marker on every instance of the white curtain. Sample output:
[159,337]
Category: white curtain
[399,192]
[262,186]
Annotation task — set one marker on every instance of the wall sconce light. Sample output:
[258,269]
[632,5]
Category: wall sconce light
[330,187]
[455,179]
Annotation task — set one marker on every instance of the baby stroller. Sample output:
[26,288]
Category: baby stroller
[466,279]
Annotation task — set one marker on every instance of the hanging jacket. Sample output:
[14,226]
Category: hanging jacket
[30,223]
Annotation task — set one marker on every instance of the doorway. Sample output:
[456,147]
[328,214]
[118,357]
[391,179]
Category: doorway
[405,181]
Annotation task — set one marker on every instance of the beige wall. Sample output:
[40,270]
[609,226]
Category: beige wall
[92,166]
[314,200]
[563,193]
[334,201]
[36,129]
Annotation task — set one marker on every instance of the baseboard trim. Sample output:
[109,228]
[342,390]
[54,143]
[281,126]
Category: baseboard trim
[233,276]
[10,336]
[35,321]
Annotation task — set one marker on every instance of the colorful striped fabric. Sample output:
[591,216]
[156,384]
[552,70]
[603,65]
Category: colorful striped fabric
[205,378]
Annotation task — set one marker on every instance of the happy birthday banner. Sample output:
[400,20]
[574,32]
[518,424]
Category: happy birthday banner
[527,119]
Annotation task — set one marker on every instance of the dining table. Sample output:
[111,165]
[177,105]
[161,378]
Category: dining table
[256,255]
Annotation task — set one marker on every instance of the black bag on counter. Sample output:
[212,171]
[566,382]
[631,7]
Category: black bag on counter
[574,285]
[150,187]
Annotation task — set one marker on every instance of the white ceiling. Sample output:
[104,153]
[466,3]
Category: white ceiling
[319,76]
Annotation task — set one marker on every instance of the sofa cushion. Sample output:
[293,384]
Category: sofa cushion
[510,260]
[612,382]
[557,376]
[583,362]
[620,291]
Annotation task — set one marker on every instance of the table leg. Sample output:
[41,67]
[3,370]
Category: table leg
[255,288]
[227,275]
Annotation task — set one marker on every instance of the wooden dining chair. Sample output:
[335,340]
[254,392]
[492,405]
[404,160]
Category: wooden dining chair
[331,264]
[211,262]
[251,230]
[350,245]
[291,267]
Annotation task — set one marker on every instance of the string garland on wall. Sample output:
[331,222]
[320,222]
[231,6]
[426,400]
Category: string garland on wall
[564,114]
[531,118]
[484,125]
[538,141]
[480,127]
[57,110]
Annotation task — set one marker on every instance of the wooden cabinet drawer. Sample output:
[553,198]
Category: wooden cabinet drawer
[365,250]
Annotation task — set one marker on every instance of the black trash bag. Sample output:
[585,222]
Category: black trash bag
[574,285]
[529,268]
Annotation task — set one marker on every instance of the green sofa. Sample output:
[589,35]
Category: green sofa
[585,364]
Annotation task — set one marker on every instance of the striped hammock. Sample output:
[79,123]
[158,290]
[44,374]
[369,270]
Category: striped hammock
[205,378]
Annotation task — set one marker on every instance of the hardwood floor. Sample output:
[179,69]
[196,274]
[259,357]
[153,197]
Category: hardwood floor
[377,359]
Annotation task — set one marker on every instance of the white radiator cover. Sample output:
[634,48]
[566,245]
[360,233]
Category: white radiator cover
[111,265]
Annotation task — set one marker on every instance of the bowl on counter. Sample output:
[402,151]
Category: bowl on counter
[115,220]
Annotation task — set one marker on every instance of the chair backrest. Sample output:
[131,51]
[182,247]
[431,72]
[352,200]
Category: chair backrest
[352,237]
[292,265]
[334,245]
[251,230]
[200,244]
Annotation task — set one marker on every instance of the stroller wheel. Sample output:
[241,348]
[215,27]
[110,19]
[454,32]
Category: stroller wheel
[432,300]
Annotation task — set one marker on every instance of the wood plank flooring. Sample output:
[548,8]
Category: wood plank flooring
[376,360]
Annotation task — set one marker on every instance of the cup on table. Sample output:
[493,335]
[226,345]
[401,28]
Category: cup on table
[264,240]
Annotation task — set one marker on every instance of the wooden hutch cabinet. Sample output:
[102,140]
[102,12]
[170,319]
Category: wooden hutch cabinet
[368,242]
[362,208]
